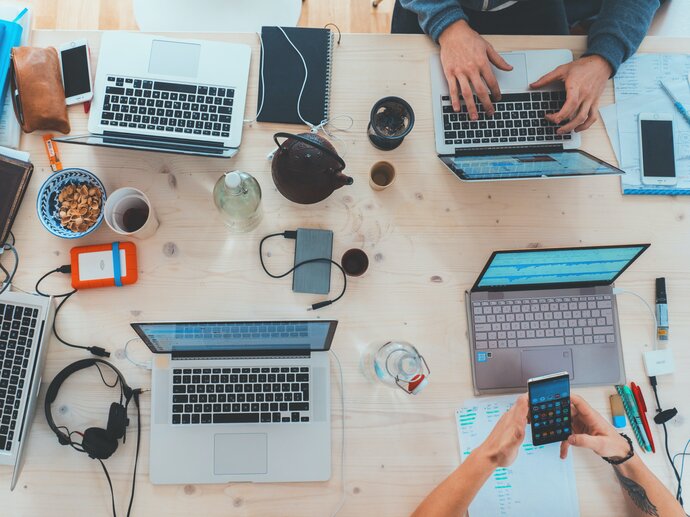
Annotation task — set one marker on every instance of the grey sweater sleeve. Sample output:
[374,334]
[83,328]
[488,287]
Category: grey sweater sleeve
[619,29]
[435,15]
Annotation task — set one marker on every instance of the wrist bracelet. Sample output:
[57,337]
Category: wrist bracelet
[618,461]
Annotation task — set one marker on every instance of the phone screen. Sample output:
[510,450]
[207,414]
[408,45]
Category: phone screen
[75,71]
[550,409]
[658,160]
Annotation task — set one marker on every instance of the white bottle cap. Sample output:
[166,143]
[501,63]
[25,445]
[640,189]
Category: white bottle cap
[233,179]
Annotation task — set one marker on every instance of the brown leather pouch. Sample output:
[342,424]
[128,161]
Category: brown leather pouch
[37,93]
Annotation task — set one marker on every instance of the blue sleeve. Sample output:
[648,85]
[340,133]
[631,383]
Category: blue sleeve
[435,15]
[619,29]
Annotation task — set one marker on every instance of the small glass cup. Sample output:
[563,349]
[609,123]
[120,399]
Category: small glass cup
[391,119]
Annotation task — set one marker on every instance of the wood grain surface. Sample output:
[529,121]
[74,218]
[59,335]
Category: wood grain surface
[427,238]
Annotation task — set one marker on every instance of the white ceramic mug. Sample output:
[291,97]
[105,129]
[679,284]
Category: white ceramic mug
[121,204]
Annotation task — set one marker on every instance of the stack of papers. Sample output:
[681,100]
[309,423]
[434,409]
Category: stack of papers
[637,91]
[538,484]
[10,131]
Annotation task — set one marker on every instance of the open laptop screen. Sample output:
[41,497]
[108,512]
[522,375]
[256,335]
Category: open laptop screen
[239,336]
[550,268]
[527,164]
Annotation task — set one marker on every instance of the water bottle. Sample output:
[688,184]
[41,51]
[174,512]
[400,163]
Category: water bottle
[396,363]
[237,195]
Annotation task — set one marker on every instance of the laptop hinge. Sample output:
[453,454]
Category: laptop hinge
[244,354]
[501,150]
[154,139]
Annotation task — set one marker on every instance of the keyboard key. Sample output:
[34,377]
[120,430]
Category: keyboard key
[235,418]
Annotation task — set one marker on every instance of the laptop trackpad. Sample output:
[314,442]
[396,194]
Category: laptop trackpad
[516,79]
[240,453]
[538,362]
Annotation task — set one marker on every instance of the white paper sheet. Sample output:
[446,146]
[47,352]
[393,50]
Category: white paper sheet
[538,484]
[637,91]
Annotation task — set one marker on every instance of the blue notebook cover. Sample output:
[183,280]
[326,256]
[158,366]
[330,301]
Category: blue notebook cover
[10,36]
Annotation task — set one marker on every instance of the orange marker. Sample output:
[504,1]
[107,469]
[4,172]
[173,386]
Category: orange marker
[52,151]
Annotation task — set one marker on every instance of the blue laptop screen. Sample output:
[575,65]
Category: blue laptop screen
[505,166]
[236,336]
[564,266]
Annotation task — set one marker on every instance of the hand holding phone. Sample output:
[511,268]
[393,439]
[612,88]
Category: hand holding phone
[549,399]
[657,158]
[76,71]
[593,431]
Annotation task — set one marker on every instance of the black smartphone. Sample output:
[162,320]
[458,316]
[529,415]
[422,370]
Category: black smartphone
[549,398]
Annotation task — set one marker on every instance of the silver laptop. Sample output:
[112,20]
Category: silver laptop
[516,142]
[25,325]
[538,311]
[169,95]
[240,401]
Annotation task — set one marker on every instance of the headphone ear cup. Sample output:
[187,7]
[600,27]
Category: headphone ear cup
[98,443]
[117,420]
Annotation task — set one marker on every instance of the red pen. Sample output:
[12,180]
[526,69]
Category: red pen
[642,407]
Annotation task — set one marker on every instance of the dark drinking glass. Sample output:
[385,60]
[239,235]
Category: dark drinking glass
[390,121]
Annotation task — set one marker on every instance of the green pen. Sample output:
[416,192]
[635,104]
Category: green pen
[635,420]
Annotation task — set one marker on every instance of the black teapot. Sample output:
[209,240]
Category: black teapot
[306,168]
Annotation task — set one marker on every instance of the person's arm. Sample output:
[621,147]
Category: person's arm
[435,15]
[466,56]
[643,491]
[454,495]
[613,37]
[619,29]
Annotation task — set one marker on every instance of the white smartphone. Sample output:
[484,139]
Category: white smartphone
[657,157]
[76,71]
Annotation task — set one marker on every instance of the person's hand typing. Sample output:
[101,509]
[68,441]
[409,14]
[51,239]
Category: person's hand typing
[592,431]
[584,81]
[501,447]
[466,58]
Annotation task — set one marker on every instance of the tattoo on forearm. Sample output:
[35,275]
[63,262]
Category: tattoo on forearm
[637,494]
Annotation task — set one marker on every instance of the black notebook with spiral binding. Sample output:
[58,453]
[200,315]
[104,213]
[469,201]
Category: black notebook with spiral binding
[283,75]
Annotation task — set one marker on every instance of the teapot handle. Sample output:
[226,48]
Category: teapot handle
[311,143]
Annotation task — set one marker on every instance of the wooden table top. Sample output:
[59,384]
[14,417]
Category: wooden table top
[427,238]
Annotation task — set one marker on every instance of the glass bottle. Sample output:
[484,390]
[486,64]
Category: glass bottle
[396,364]
[237,196]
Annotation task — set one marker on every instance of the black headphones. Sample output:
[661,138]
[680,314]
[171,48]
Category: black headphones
[97,442]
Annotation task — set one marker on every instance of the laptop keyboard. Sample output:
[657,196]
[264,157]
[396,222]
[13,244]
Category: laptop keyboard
[240,395]
[17,327]
[177,108]
[579,320]
[518,117]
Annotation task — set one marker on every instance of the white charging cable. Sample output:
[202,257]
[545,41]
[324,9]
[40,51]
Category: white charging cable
[148,365]
[342,433]
[655,341]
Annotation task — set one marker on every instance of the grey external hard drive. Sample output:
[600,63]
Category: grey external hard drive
[314,277]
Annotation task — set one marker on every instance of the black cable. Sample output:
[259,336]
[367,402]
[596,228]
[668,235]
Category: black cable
[61,269]
[10,276]
[292,235]
[110,484]
[679,498]
[95,350]
[135,395]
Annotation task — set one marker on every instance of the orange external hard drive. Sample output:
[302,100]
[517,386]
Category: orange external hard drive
[104,265]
